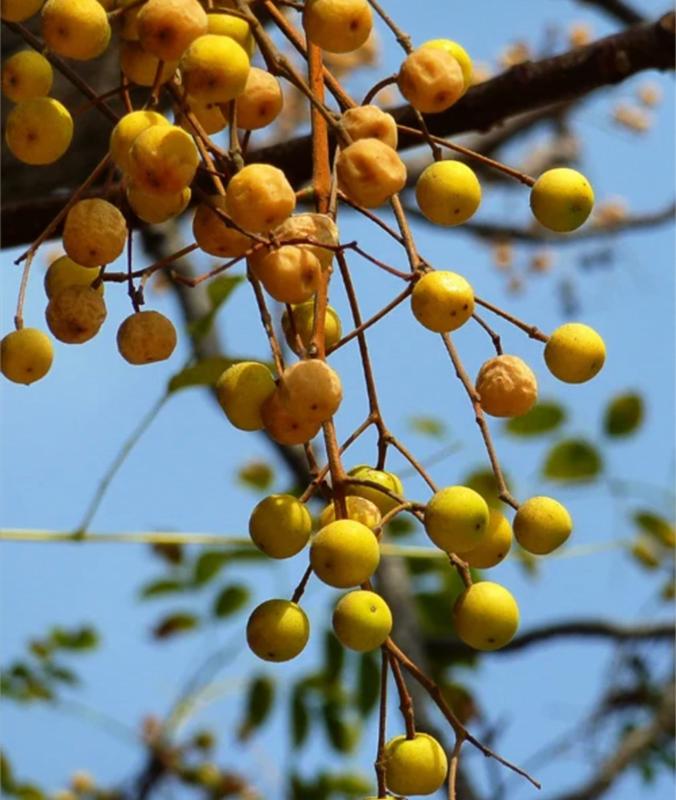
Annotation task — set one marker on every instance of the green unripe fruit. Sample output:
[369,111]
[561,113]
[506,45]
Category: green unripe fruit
[486,616]
[277,630]
[362,620]
[561,199]
[456,518]
[415,766]
[280,526]
[344,553]
[64,272]
[541,525]
[303,322]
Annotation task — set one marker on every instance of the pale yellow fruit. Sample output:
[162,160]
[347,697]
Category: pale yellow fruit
[442,301]
[561,199]
[486,616]
[75,314]
[141,67]
[575,353]
[234,27]
[370,122]
[280,526]
[415,766]
[95,232]
[541,525]
[370,172]
[290,274]
[456,518]
[506,386]
[448,193]
[214,68]
[319,228]
[76,29]
[156,208]
[212,233]
[146,337]
[277,630]
[388,480]
[167,27]
[64,272]
[241,390]
[260,198]
[163,159]
[300,323]
[261,102]
[39,131]
[26,75]
[127,129]
[362,620]
[459,53]
[311,390]
[359,509]
[431,80]
[211,117]
[26,355]
[19,10]
[285,427]
[495,545]
[337,26]
[344,554]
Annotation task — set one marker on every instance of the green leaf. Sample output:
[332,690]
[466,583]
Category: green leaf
[160,587]
[219,289]
[257,475]
[349,785]
[85,638]
[61,673]
[174,624]
[428,426]
[334,656]
[259,701]
[6,776]
[300,716]
[573,460]
[229,600]
[171,552]
[28,791]
[483,481]
[623,415]
[342,736]
[403,525]
[368,683]
[658,527]
[542,418]
[208,565]
[204,372]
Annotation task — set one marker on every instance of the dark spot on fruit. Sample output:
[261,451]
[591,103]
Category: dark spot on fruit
[456,210]
[491,640]
[354,24]
[465,307]
[373,609]
[453,313]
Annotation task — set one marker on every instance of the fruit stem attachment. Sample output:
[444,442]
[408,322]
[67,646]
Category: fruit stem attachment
[453,766]
[18,317]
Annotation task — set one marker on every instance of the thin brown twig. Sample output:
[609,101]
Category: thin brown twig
[405,702]
[531,330]
[382,725]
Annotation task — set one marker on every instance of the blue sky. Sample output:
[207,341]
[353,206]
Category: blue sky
[59,436]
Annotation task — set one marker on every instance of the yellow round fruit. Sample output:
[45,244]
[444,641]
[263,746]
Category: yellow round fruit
[290,274]
[506,386]
[127,129]
[344,553]
[496,543]
[19,10]
[370,122]
[561,199]
[64,272]
[167,27]
[388,480]
[541,525]
[319,228]
[260,198]
[141,67]
[280,526]
[448,193]
[129,21]
[241,390]
[415,766]
[146,337]
[283,426]
[212,233]
[214,69]
[77,29]
[75,314]
[459,53]
[163,159]
[277,630]
[370,172]
[359,509]
[431,80]
[303,318]
[337,26]
[211,116]
[95,232]
[575,353]
[234,27]
[486,616]
[442,301]
[456,518]
[362,620]
[261,102]
[26,355]
[311,390]
[26,75]
[39,131]
[156,208]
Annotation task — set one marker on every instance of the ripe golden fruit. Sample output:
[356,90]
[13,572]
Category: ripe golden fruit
[486,616]
[19,10]
[456,518]
[506,386]
[146,337]
[156,208]
[242,389]
[311,390]
[75,314]
[141,67]
[370,172]
[387,480]
[129,26]
[260,198]
[496,543]
[26,75]
[362,620]
[167,27]
[431,80]
[290,274]
[39,131]
[442,301]
[303,317]
[214,68]
[359,509]
[212,117]
[280,526]
[25,355]
[285,427]
[64,272]
[541,525]
[370,122]
[337,26]
[277,630]
[459,53]
[448,193]
[234,27]
[212,233]
[317,227]
[261,102]
[561,199]
[127,129]
[575,353]
[95,232]
[163,159]
[415,766]
[344,554]
[77,29]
